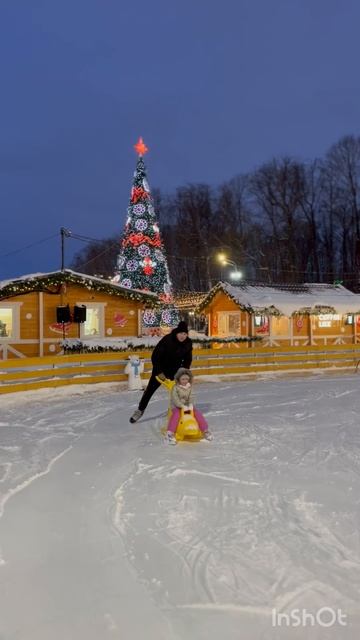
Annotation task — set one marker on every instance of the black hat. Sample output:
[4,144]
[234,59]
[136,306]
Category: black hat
[182,327]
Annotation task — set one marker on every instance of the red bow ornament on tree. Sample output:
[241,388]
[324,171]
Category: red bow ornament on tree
[140,238]
[137,193]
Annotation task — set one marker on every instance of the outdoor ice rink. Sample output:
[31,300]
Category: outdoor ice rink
[107,532]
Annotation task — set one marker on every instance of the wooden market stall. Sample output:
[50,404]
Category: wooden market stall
[38,311]
[301,314]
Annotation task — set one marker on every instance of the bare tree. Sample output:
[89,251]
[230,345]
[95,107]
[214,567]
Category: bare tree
[343,165]
[310,205]
[194,231]
[278,188]
[97,258]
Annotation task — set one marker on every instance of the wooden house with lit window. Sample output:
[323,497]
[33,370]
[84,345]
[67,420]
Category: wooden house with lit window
[38,311]
[283,315]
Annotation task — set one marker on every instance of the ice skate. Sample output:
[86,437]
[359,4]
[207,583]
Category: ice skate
[170,438]
[208,436]
[136,416]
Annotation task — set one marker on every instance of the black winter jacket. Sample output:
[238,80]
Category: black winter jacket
[170,354]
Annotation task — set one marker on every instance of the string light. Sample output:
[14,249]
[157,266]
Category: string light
[52,282]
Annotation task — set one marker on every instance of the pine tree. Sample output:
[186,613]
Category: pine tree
[141,263]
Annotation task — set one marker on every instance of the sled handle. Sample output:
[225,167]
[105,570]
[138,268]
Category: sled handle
[166,383]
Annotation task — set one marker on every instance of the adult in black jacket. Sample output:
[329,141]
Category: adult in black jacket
[171,352]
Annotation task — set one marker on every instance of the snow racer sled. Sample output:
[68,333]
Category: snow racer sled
[187,428]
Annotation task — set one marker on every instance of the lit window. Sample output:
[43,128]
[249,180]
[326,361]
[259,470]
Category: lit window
[234,324]
[93,327]
[7,322]
[260,321]
[261,324]
[228,324]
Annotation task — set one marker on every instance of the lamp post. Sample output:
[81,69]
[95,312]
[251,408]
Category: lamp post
[65,233]
[221,257]
[224,261]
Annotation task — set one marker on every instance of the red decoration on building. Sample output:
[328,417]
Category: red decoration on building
[119,319]
[264,328]
[60,327]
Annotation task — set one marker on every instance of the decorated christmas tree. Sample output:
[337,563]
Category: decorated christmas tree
[141,263]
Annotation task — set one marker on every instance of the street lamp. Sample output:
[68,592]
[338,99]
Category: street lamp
[236,275]
[224,260]
[221,257]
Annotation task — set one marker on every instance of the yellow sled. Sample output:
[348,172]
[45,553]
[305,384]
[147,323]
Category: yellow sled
[188,428]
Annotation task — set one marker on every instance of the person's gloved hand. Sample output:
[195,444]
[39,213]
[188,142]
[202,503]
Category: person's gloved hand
[162,376]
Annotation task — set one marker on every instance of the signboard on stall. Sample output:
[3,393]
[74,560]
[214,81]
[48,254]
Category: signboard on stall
[325,319]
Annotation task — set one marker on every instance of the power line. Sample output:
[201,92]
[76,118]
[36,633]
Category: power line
[269,270]
[98,255]
[29,246]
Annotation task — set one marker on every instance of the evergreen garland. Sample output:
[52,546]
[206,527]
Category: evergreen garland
[77,346]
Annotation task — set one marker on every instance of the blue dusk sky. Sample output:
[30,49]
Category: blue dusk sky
[215,89]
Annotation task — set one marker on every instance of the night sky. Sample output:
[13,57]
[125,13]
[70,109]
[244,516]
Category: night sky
[215,87]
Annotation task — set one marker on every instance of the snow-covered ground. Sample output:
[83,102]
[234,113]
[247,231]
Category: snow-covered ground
[106,532]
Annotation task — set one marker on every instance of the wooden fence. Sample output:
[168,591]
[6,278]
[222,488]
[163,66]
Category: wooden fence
[55,371]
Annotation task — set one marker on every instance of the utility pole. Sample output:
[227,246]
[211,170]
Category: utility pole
[65,233]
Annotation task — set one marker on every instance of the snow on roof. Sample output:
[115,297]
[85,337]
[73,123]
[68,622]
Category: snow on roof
[77,276]
[5,283]
[288,299]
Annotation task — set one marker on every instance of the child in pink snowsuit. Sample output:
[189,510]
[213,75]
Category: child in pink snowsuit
[181,398]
